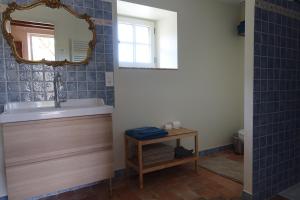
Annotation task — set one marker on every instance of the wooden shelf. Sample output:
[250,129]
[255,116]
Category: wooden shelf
[162,165]
[175,134]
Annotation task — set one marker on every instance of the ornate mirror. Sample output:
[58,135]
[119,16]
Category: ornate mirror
[48,32]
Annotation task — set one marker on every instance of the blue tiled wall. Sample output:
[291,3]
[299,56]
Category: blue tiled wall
[23,82]
[285,4]
[276,101]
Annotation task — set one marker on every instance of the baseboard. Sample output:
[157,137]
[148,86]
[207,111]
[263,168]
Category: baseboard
[246,196]
[4,198]
[215,150]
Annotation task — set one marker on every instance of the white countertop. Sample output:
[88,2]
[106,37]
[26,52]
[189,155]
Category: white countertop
[31,111]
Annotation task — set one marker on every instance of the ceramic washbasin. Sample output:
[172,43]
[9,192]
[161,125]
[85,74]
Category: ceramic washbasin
[29,111]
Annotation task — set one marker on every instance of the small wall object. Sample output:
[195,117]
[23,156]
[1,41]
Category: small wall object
[241,28]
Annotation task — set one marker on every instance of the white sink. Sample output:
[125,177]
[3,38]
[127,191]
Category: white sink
[29,111]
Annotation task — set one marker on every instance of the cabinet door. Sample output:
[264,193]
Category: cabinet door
[47,156]
[27,142]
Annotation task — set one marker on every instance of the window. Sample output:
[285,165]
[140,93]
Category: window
[147,37]
[136,42]
[41,46]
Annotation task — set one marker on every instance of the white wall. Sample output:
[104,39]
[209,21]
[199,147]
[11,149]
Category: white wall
[167,39]
[205,94]
[248,92]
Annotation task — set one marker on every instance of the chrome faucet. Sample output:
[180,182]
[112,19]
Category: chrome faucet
[58,84]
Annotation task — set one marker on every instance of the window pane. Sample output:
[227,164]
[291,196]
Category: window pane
[143,53]
[142,34]
[125,33]
[42,47]
[125,52]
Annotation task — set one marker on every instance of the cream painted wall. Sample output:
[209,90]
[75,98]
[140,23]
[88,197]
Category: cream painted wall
[167,37]
[248,95]
[205,94]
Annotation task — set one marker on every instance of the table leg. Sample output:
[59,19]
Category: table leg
[178,142]
[110,187]
[196,152]
[140,160]
[126,156]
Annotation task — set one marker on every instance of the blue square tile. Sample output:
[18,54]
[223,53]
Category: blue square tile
[100,86]
[49,76]
[107,15]
[99,14]
[2,87]
[98,4]
[81,76]
[107,6]
[72,95]
[71,76]
[13,87]
[25,86]
[12,75]
[38,86]
[82,86]
[13,97]
[25,75]
[37,76]
[91,76]
[100,76]
[92,94]
[89,3]
[82,94]
[91,86]
[27,97]
[3,98]
[72,86]
[39,96]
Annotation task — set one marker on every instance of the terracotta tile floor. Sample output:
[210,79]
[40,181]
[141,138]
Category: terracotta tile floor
[178,183]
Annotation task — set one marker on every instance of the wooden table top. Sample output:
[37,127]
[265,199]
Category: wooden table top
[180,131]
[172,134]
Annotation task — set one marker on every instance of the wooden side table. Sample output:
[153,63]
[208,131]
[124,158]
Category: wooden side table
[174,134]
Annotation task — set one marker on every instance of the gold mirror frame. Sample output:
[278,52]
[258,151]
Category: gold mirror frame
[54,4]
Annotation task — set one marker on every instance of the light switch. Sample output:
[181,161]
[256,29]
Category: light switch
[109,79]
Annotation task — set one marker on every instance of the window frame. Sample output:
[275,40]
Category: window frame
[29,41]
[141,22]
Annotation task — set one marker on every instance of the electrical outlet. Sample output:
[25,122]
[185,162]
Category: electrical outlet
[109,79]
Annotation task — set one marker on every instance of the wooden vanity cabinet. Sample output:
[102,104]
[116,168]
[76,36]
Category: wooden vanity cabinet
[46,156]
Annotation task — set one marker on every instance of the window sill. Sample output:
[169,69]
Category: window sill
[148,68]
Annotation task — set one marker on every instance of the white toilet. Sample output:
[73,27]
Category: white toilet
[241,134]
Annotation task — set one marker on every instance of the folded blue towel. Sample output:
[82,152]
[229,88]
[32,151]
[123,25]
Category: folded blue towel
[146,133]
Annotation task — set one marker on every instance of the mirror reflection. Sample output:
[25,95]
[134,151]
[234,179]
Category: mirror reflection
[51,34]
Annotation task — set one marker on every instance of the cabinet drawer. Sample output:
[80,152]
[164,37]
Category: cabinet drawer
[40,178]
[35,141]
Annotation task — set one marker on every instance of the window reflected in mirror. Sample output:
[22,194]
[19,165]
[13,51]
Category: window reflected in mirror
[34,41]
[40,33]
